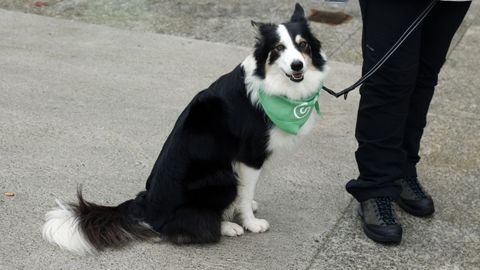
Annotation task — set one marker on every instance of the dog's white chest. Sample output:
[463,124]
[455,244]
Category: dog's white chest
[280,139]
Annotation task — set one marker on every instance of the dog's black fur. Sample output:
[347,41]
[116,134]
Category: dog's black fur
[192,181]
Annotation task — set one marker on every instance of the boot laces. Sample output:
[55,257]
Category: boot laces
[385,210]
[415,186]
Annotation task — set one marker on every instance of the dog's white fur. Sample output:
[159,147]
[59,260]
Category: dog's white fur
[275,83]
[62,227]
[62,224]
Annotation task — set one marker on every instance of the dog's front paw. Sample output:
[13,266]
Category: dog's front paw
[256,225]
[231,229]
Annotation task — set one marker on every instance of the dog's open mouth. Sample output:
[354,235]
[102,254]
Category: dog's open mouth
[295,76]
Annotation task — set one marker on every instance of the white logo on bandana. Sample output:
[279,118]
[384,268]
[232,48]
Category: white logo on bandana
[302,110]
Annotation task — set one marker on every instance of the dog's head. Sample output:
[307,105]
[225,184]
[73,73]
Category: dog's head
[288,57]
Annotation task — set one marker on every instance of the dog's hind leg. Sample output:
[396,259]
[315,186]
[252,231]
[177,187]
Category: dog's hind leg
[193,226]
[199,219]
[231,229]
[248,178]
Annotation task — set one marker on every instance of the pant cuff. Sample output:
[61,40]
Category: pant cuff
[363,190]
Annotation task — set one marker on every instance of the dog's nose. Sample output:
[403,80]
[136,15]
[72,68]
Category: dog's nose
[296,65]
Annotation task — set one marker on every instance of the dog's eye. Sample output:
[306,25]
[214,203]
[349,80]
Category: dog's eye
[302,45]
[279,47]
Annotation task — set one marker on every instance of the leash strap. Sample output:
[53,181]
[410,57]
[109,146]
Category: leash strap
[387,55]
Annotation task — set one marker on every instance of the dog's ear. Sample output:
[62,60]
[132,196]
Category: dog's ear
[298,14]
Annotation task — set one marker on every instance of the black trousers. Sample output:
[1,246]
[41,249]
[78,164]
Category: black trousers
[394,101]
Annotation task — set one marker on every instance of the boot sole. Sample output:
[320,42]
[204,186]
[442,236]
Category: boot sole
[381,238]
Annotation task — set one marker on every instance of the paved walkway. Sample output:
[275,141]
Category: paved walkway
[89,104]
[224,22]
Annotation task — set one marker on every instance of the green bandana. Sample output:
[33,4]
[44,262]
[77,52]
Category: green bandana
[287,114]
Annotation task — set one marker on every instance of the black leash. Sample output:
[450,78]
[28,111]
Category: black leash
[387,55]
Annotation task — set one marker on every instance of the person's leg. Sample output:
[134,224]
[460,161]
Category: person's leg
[385,97]
[438,30]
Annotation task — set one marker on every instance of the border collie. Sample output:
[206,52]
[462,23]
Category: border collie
[203,183]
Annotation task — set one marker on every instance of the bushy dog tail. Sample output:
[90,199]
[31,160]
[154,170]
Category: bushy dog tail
[86,228]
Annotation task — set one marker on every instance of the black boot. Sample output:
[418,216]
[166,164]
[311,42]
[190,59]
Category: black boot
[413,199]
[379,221]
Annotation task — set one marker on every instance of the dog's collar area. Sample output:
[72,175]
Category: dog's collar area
[287,114]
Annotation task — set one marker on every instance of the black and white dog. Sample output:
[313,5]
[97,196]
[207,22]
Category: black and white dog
[203,182]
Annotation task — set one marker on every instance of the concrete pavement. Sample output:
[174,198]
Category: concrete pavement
[92,105]
[224,21]
[217,21]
